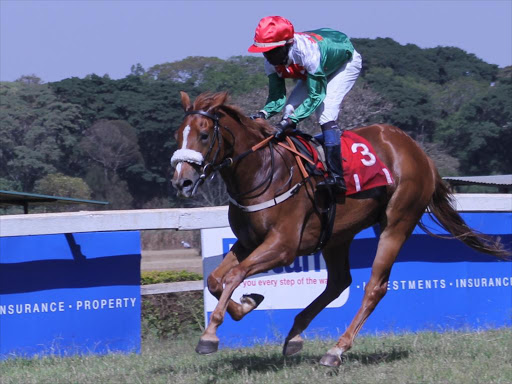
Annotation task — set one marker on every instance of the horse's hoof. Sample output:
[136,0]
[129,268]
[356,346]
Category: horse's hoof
[253,299]
[205,347]
[292,347]
[330,360]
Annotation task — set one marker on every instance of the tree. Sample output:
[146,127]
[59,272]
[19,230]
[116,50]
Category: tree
[211,194]
[446,164]
[363,106]
[113,144]
[449,98]
[137,70]
[152,107]
[38,133]
[437,65]
[480,133]
[453,63]
[29,79]
[189,70]
[236,75]
[413,109]
[58,184]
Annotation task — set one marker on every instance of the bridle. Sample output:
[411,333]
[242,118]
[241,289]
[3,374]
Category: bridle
[208,167]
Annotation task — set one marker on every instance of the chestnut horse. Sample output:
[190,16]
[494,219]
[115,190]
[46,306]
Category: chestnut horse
[219,137]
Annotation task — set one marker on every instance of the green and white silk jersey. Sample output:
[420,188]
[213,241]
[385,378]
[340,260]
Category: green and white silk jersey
[313,56]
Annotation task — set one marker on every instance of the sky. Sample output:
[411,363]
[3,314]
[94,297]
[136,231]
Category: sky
[74,38]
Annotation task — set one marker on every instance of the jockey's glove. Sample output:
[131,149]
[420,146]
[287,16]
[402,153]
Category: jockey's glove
[285,127]
[258,115]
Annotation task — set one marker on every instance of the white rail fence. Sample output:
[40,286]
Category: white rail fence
[178,218]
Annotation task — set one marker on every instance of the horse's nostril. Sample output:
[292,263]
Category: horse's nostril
[186,183]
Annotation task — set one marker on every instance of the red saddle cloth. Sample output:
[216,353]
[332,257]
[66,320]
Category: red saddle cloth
[362,169]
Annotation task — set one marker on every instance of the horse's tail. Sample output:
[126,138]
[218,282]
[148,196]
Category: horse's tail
[447,217]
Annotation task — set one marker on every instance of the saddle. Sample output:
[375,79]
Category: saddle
[362,168]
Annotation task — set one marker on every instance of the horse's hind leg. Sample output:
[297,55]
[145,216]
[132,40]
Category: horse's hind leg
[398,228]
[338,279]
[215,284]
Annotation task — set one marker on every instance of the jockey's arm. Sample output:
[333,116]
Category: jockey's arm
[276,95]
[317,87]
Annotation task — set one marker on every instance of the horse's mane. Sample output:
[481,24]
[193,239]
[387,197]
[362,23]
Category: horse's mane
[206,100]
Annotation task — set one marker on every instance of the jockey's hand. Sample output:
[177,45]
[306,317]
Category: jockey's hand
[285,127]
[258,115]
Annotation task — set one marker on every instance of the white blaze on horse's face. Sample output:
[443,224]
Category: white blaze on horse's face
[186,131]
[185,176]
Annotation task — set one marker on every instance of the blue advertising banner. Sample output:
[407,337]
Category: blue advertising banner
[69,294]
[435,285]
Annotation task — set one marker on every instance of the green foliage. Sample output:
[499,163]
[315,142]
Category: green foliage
[111,143]
[237,75]
[453,63]
[156,277]
[38,133]
[171,314]
[437,65]
[413,109]
[186,71]
[10,185]
[58,184]
[480,133]
[152,108]
[451,96]
[408,60]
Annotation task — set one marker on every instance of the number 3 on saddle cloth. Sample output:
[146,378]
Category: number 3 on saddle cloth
[362,169]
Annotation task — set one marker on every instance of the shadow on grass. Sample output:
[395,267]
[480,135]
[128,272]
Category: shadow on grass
[219,367]
[378,357]
[276,362]
[262,364]
[165,370]
[249,363]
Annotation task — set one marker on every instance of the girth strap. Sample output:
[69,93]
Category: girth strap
[269,203]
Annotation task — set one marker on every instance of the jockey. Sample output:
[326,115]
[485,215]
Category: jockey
[326,66]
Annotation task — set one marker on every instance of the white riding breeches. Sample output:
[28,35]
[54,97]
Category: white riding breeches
[338,85]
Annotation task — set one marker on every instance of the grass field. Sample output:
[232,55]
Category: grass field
[451,358]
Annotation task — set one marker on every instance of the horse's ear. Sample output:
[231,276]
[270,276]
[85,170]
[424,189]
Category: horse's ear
[185,101]
[218,99]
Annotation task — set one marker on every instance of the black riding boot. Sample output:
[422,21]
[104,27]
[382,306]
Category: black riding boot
[332,148]
[335,179]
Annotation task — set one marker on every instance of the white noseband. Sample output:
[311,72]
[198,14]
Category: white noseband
[186,155]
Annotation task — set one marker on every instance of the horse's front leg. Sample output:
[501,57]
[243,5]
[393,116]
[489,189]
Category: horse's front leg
[215,283]
[272,253]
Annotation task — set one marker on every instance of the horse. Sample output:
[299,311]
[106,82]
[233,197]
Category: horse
[217,137]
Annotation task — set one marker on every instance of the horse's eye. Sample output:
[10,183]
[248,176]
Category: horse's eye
[203,136]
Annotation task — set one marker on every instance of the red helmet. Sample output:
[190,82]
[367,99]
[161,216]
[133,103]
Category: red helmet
[272,32]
